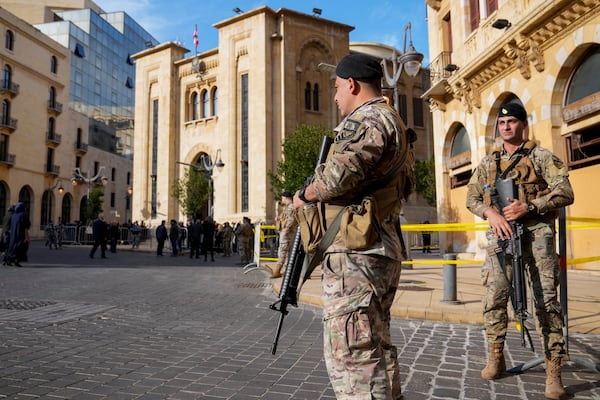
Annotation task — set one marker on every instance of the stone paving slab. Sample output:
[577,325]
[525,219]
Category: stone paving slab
[176,328]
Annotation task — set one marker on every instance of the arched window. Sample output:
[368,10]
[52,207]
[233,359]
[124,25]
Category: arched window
[65,209]
[51,126]
[53,64]
[583,144]
[25,198]
[316,97]
[9,40]
[52,97]
[460,158]
[5,112]
[47,205]
[214,99]
[195,106]
[204,96]
[3,200]
[307,94]
[7,78]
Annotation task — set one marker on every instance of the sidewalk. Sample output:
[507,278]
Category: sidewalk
[421,292]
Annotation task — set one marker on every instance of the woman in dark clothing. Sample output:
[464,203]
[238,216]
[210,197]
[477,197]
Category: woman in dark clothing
[19,236]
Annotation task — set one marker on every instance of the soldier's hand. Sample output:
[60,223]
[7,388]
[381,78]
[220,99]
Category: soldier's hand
[515,210]
[498,223]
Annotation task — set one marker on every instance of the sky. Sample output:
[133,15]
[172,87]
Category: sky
[383,21]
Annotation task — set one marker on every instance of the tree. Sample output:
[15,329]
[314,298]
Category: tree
[425,180]
[300,153]
[191,191]
[94,203]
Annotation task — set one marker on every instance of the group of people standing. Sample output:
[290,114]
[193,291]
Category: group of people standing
[205,237]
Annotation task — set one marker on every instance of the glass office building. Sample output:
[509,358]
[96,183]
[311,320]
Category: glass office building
[102,71]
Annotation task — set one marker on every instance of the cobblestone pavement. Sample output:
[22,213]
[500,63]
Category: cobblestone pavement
[137,326]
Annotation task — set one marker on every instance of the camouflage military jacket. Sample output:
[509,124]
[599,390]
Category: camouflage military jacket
[370,144]
[548,169]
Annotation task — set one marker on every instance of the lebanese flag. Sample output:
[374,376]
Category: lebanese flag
[195,36]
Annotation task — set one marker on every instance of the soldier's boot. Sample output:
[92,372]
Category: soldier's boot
[276,272]
[554,387]
[496,364]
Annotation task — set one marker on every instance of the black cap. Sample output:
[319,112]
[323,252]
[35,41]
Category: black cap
[359,66]
[513,110]
[287,194]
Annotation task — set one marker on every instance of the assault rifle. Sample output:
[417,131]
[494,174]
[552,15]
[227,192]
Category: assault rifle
[293,269]
[504,189]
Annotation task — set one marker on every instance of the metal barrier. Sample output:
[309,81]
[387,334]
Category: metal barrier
[76,235]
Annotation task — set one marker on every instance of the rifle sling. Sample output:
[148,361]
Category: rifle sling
[333,229]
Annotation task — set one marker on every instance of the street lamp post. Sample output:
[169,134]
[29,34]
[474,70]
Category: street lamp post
[79,177]
[49,190]
[209,165]
[128,204]
[410,61]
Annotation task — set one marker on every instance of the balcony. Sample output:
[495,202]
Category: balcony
[7,159]
[53,138]
[7,124]
[51,170]
[441,69]
[54,107]
[9,88]
[81,148]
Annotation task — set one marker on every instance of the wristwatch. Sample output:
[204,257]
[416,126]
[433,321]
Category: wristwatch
[302,195]
[531,207]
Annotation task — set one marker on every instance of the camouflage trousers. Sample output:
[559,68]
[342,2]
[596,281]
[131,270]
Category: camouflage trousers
[283,250]
[543,272]
[358,291]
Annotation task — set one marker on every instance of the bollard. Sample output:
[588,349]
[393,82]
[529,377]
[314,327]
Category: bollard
[450,280]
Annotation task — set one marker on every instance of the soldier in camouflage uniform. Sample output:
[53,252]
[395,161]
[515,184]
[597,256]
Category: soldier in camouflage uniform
[544,187]
[359,284]
[287,230]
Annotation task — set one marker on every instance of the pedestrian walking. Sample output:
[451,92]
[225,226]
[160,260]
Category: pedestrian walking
[545,188]
[99,235]
[50,231]
[426,235]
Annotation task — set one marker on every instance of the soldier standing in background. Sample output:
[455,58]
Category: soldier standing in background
[544,187]
[287,229]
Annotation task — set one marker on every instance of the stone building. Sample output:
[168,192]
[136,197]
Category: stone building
[235,105]
[83,55]
[544,54]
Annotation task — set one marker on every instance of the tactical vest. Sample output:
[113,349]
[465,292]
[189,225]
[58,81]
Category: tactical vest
[398,187]
[521,169]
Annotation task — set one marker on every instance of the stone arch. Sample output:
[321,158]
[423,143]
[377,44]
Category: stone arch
[569,56]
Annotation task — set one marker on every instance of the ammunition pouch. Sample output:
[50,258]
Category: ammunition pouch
[359,229]
[311,229]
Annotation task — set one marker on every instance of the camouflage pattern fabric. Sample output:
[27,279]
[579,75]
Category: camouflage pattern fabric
[286,235]
[543,271]
[538,246]
[358,291]
[359,286]
[370,143]
[547,166]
